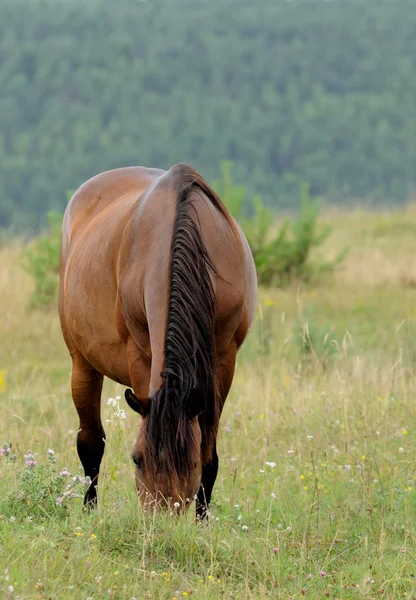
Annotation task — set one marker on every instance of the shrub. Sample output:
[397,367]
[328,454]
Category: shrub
[41,261]
[281,256]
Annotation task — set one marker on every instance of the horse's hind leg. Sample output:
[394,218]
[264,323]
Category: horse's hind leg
[87,384]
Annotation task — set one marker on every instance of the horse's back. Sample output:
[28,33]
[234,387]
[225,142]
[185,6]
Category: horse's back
[102,191]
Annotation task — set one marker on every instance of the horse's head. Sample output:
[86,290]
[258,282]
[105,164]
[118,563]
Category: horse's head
[167,453]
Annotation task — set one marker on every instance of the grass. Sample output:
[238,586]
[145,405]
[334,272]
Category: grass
[324,392]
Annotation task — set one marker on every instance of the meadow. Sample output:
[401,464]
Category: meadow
[316,492]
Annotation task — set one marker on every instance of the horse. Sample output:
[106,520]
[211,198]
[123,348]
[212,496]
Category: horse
[157,292]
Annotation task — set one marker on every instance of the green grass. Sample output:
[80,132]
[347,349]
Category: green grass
[337,416]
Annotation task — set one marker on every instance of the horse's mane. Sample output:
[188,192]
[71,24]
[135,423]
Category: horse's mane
[190,366]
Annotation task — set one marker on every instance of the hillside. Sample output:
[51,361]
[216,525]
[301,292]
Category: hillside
[321,92]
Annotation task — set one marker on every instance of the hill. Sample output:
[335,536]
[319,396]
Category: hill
[315,91]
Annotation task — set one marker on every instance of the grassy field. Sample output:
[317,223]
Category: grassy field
[316,493]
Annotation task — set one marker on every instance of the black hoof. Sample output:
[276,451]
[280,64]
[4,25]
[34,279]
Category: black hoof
[90,498]
[202,512]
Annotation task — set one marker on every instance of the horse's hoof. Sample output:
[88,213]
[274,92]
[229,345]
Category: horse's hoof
[90,501]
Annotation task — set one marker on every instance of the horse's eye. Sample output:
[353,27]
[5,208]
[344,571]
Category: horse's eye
[138,461]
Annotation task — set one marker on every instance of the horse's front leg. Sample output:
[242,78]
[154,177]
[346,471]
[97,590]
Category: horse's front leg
[226,366]
[87,384]
[209,475]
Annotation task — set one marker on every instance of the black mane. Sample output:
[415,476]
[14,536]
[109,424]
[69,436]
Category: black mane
[190,366]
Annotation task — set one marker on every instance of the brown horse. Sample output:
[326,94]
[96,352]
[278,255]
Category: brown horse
[157,292]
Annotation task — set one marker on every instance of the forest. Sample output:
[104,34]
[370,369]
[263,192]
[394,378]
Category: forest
[317,92]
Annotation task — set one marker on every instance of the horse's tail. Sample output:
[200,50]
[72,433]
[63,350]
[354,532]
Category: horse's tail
[190,365]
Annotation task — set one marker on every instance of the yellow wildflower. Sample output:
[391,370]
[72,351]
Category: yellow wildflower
[2,380]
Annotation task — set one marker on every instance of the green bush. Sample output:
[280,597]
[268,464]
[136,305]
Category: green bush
[41,260]
[281,256]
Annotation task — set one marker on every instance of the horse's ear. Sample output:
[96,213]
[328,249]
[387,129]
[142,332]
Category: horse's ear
[139,405]
[195,404]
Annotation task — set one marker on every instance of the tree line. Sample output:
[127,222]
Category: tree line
[290,92]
